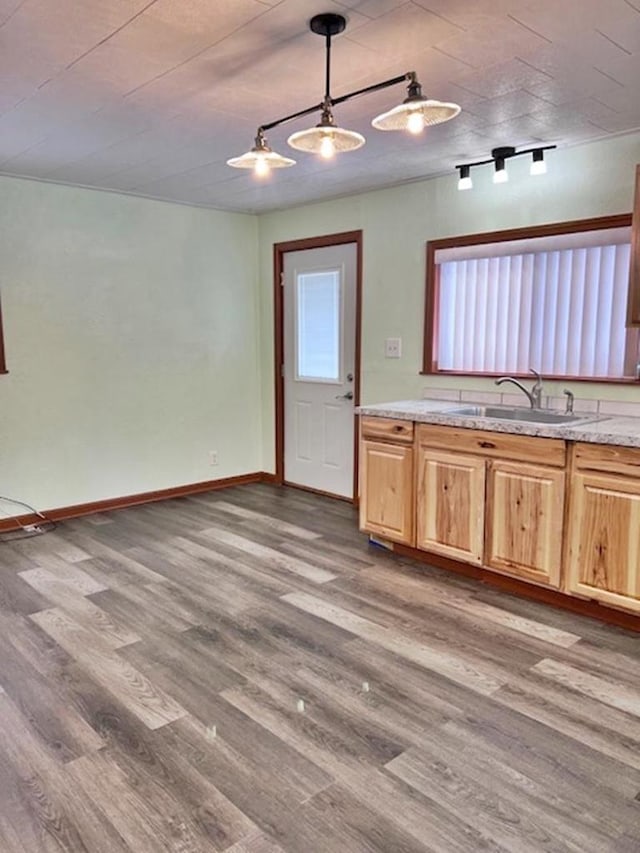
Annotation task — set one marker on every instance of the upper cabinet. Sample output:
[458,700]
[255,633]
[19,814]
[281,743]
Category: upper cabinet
[633,315]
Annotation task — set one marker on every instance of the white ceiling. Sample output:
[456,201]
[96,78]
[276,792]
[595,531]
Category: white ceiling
[153,96]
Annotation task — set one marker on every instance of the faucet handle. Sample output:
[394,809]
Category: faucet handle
[536,391]
[570,398]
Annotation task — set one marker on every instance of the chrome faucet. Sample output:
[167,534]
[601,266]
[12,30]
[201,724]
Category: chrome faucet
[534,396]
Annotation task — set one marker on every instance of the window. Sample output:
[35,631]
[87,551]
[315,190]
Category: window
[553,298]
[318,326]
[3,366]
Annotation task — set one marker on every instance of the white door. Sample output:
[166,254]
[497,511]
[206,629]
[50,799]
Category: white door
[319,367]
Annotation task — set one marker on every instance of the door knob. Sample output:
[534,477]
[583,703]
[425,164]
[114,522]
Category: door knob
[347,396]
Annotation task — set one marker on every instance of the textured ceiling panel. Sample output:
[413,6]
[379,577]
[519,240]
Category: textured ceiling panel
[153,96]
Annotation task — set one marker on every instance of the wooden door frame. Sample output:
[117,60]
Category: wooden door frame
[279,251]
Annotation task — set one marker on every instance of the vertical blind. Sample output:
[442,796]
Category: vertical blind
[562,312]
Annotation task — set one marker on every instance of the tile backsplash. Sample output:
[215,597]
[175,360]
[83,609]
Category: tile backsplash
[602,407]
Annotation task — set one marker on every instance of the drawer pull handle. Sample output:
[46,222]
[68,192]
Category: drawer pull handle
[488,444]
[398,428]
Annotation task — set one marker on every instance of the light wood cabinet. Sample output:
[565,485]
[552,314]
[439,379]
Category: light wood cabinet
[633,313]
[387,505]
[524,521]
[492,499]
[508,503]
[604,539]
[450,504]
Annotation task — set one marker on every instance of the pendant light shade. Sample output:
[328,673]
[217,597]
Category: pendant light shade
[416,112]
[326,138]
[261,158]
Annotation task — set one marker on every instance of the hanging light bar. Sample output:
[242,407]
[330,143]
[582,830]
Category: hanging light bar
[327,138]
[499,156]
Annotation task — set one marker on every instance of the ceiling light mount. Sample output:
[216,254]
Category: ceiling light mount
[499,156]
[414,114]
[503,152]
[328,24]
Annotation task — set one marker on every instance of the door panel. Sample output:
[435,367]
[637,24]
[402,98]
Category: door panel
[386,504]
[319,295]
[451,504]
[604,537]
[525,521]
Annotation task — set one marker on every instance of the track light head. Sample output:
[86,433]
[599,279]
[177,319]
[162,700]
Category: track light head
[538,165]
[465,182]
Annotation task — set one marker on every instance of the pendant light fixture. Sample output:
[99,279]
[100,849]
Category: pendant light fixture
[327,138]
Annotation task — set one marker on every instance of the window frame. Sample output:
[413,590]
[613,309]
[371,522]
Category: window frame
[431,312]
[3,363]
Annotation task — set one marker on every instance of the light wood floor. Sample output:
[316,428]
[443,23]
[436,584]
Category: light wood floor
[240,671]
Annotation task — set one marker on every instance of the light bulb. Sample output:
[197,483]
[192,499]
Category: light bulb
[465,182]
[500,176]
[415,122]
[327,148]
[538,165]
[261,168]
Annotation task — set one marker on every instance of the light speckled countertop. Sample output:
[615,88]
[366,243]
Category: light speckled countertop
[622,431]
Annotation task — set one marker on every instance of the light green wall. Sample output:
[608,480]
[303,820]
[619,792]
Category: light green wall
[589,180]
[132,335]
[139,334]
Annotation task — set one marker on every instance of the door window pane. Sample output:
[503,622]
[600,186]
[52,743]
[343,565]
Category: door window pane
[318,325]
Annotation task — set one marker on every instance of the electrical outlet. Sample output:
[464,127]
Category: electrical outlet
[213,457]
[393,348]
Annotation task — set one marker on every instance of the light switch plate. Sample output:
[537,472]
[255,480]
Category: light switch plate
[393,348]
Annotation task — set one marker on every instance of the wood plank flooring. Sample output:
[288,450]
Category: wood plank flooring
[240,671]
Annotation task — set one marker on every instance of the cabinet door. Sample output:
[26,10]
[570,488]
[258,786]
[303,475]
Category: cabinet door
[386,501]
[604,539]
[450,515]
[525,508]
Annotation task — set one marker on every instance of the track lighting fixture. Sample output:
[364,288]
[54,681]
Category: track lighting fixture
[327,137]
[499,156]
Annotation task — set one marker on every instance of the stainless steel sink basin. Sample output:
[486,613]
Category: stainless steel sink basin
[514,413]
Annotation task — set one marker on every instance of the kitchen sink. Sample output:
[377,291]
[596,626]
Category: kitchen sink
[515,413]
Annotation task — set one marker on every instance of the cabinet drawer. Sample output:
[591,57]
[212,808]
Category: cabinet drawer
[608,458]
[381,428]
[524,448]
